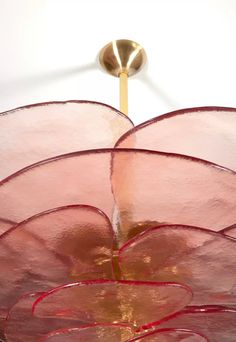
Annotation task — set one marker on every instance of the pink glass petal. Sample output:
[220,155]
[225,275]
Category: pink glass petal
[66,244]
[230,231]
[2,324]
[33,133]
[171,335]
[77,178]
[5,225]
[106,301]
[150,188]
[207,133]
[217,324]
[92,333]
[202,259]
[158,188]
[22,326]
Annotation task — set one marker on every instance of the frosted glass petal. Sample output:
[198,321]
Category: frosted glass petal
[82,177]
[218,324]
[106,301]
[171,335]
[206,133]
[22,326]
[66,244]
[202,259]
[5,225]
[91,333]
[230,231]
[33,133]
[150,188]
[153,189]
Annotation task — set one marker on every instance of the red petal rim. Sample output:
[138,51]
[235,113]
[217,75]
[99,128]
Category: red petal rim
[158,285]
[114,151]
[165,331]
[22,326]
[187,249]
[40,127]
[85,327]
[5,225]
[195,309]
[85,206]
[215,322]
[64,102]
[206,133]
[172,114]
[109,156]
[59,248]
[146,232]
[8,329]
[229,231]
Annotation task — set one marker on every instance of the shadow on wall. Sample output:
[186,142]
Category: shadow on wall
[47,77]
[41,79]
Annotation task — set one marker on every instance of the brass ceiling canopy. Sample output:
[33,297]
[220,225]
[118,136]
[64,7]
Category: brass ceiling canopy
[122,56]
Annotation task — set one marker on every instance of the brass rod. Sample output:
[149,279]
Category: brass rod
[124,92]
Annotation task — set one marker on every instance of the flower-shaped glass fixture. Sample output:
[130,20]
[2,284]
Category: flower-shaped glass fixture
[206,133]
[37,132]
[115,233]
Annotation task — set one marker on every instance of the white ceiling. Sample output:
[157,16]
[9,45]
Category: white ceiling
[49,50]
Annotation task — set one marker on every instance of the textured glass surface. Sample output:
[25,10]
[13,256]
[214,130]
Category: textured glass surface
[230,231]
[22,326]
[217,324]
[137,235]
[150,188]
[5,225]
[33,133]
[206,133]
[171,335]
[82,177]
[202,259]
[50,249]
[92,333]
[157,188]
[106,301]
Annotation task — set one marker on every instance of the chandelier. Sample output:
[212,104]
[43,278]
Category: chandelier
[111,232]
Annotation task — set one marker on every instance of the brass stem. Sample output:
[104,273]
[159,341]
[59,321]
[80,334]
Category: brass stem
[124,92]
[122,58]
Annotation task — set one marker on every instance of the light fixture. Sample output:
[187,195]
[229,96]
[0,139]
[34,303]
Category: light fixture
[111,232]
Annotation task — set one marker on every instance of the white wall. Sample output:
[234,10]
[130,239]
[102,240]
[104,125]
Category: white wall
[49,47]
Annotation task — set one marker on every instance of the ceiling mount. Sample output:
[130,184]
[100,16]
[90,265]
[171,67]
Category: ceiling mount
[122,56]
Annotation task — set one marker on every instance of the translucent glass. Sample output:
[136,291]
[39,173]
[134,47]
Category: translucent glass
[33,133]
[66,244]
[91,333]
[77,178]
[55,225]
[22,326]
[207,133]
[153,189]
[202,259]
[106,301]
[230,231]
[5,225]
[216,323]
[150,189]
[171,335]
